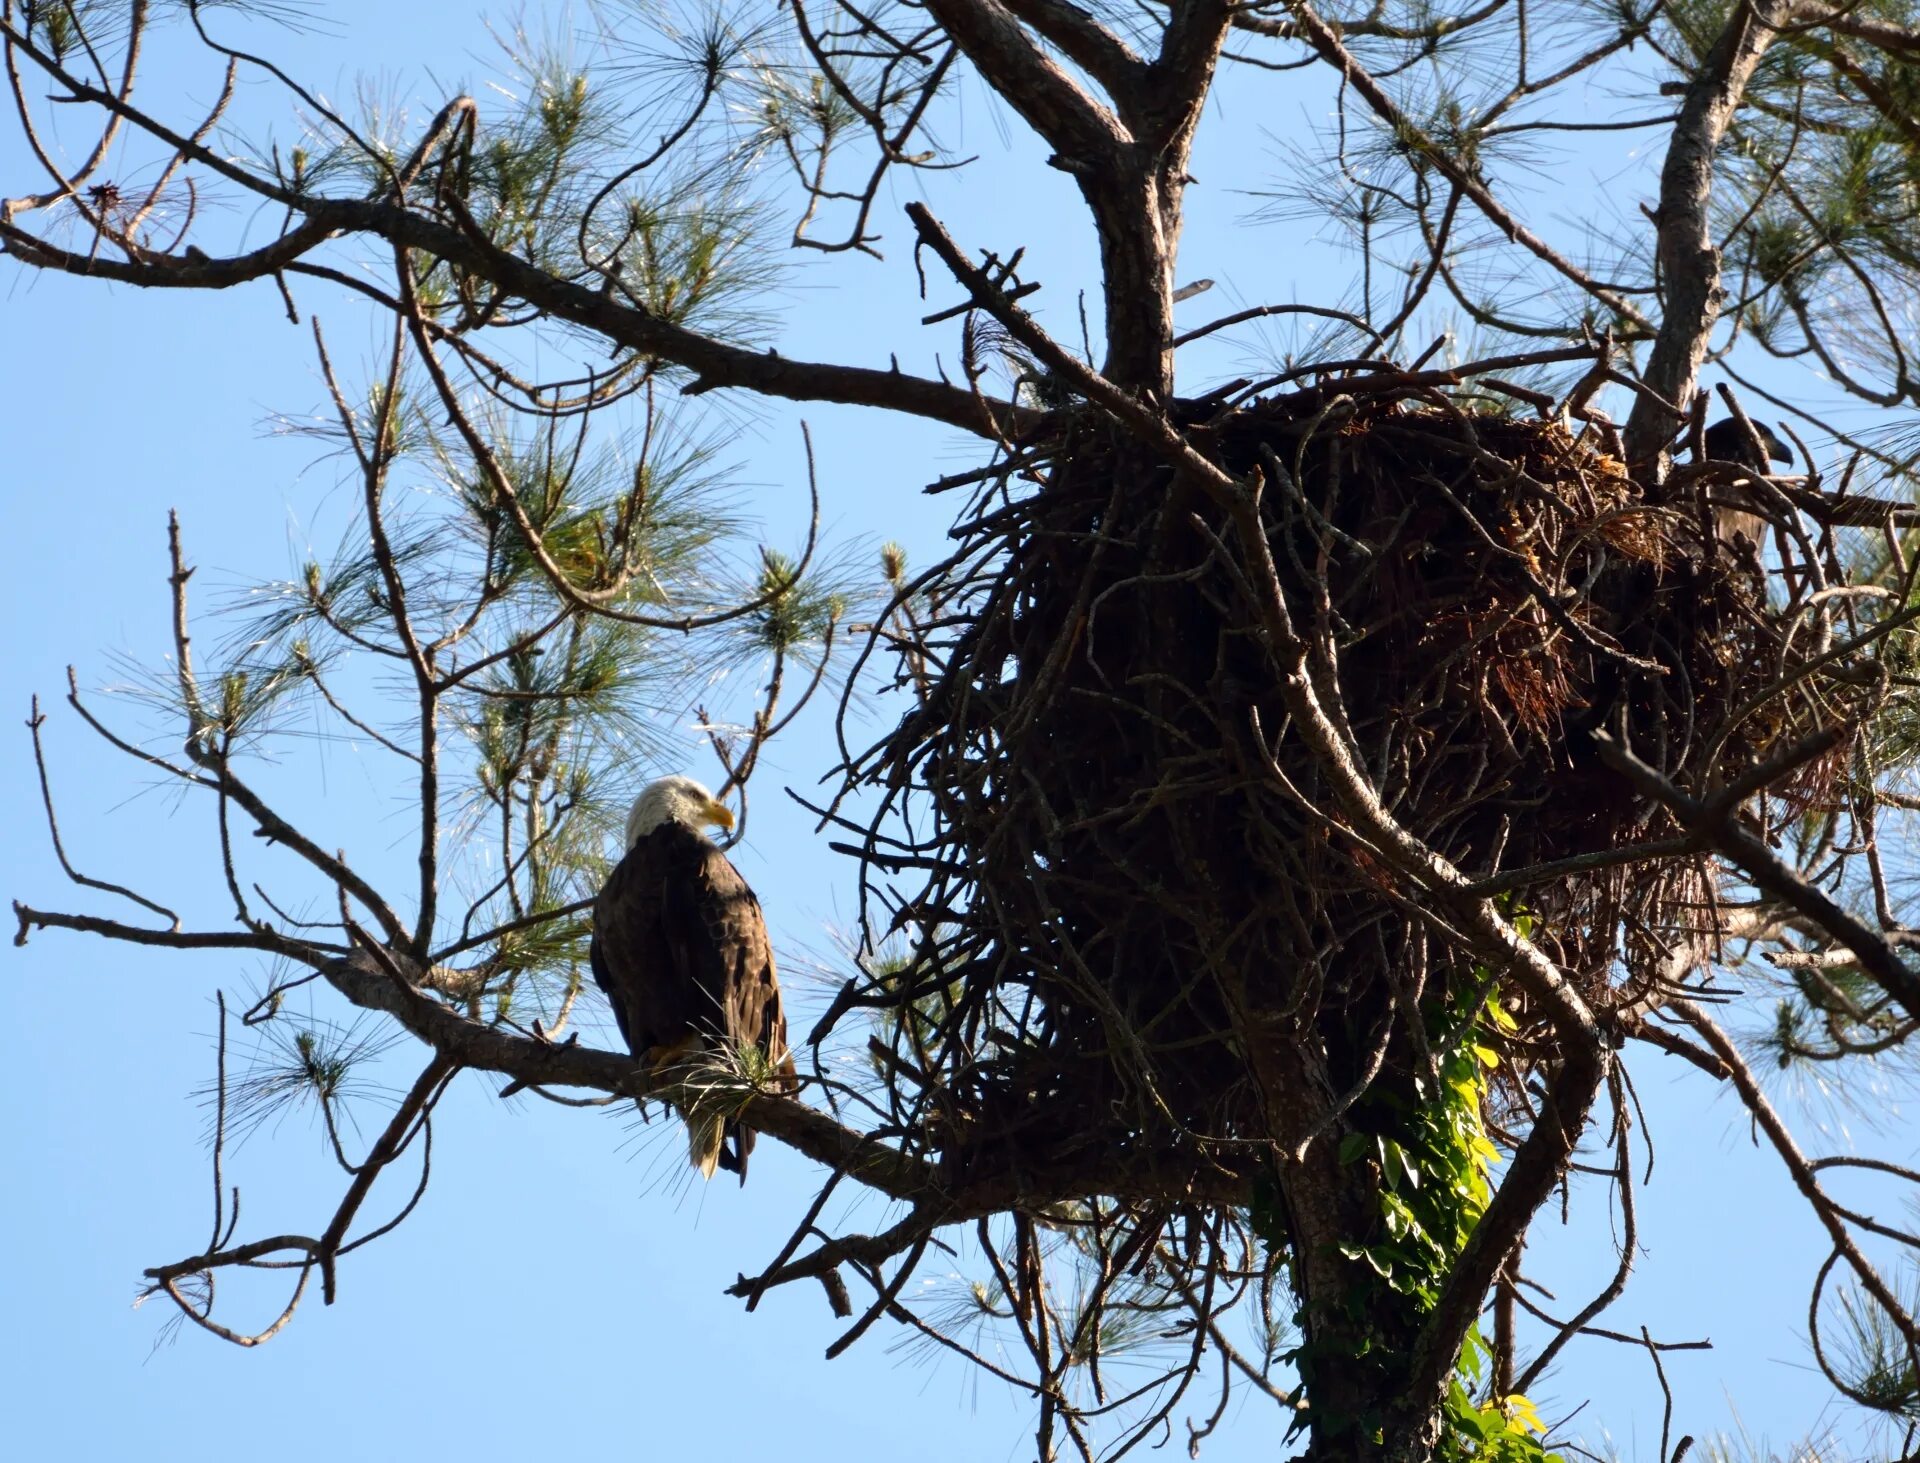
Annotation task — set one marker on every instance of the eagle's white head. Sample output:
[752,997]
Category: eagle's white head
[674,800]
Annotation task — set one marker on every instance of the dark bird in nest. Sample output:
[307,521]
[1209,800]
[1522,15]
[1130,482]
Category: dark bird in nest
[1727,441]
[681,949]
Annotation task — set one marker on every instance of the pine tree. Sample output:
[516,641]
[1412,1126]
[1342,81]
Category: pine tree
[1307,787]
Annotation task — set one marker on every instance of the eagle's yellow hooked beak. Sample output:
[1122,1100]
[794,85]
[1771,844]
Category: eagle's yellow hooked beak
[719,814]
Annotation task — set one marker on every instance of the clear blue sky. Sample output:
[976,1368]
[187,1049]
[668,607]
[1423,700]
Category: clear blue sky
[560,1288]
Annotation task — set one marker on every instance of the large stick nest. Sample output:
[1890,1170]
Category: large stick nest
[1134,869]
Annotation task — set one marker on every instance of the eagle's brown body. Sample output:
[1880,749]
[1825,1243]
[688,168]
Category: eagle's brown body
[681,949]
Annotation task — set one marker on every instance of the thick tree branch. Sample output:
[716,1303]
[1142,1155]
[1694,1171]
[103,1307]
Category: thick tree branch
[366,979]
[715,363]
[1182,75]
[1130,173]
[1087,43]
[1688,257]
[1085,133]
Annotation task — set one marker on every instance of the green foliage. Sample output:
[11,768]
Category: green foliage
[803,111]
[558,944]
[1819,185]
[310,1063]
[796,611]
[546,171]
[1433,1181]
[524,170]
[679,252]
[1434,1184]
[56,25]
[643,533]
[1497,1430]
[1873,1358]
[561,710]
[1450,128]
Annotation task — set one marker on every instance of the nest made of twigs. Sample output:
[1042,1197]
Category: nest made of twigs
[1137,868]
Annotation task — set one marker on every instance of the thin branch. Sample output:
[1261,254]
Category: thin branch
[34,722]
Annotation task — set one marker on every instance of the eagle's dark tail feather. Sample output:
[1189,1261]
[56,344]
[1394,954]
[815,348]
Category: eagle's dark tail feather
[733,1157]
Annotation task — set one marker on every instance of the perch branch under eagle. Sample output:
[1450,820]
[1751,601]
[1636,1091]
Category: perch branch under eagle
[681,949]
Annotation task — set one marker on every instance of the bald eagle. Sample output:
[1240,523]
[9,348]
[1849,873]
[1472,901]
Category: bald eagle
[681,949]
[1727,441]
